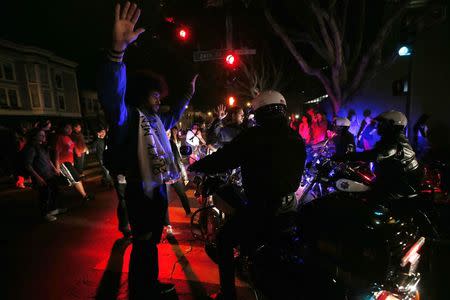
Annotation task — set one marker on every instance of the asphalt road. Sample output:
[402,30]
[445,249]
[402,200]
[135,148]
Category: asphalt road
[82,255]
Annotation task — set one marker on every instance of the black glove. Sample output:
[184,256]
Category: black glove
[193,167]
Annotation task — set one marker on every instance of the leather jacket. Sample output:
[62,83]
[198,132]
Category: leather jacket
[396,167]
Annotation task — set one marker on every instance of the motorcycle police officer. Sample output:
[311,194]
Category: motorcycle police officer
[271,156]
[343,140]
[397,170]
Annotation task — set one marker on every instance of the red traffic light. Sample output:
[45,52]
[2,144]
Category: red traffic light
[231,60]
[231,101]
[183,34]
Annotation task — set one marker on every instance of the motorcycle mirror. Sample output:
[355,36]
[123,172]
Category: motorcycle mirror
[186,150]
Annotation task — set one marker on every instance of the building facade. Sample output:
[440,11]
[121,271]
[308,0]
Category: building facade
[35,83]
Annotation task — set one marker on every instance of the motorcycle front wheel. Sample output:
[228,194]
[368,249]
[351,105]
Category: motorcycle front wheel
[205,223]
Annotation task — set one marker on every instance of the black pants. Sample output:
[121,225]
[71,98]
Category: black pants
[146,219]
[181,192]
[242,226]
[122,214]
[48,196]
[78,163]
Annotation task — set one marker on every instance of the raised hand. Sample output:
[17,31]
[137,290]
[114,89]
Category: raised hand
[124,22]
[221,111]
[192,84]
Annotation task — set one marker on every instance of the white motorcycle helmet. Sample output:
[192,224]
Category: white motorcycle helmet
[268,98]
[393,118]
[391,122]
[342,122]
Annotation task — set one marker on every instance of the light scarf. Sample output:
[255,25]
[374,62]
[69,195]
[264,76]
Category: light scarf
[156,161]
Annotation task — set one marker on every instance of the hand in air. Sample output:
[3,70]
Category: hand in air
[125,20]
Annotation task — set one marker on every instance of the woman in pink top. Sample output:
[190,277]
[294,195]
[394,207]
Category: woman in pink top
[319,128]
[305,130]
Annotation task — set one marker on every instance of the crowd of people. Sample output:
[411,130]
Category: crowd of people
[314,127]
[45,158]
[140,155]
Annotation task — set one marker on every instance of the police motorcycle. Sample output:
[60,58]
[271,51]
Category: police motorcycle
[376,249]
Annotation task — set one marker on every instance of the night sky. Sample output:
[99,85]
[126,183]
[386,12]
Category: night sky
[78,29]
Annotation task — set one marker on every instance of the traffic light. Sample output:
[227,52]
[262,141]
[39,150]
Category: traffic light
[183,34]
[231,60]
[231,101]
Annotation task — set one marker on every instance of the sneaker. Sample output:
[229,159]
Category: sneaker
[88,198]
[62,210]
[57,211]
[50,218]
[165,288]
[169,230]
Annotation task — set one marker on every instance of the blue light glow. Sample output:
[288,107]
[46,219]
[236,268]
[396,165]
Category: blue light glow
[404,51]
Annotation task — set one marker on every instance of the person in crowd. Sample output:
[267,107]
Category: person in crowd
[98,147]
[343,140]
[354,124]
[421,132]
[282,154]
[80,149]
[225,133]
[45,125]
[293,122]
[139,149]
[43,174]
[179,185]
[396,168]
[64,160]
[366,133]
[21,141]
[319,127]
[195,140]
[304,129]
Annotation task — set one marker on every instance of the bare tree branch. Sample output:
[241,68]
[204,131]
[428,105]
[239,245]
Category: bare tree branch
[323,29]
[375,47]
[306,38]
[359,40]
[299,58]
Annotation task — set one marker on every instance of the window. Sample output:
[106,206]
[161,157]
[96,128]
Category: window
[31,72]
[3,99]
[13,98]
[34,95]
[9,98]
[48,103]
[61,102]
[8,71]
[58,81]
[43,74]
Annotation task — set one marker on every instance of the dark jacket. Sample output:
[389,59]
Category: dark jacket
[271,160]
[396,168]
[219,135]
[121,156]
[37,157]
[344,142]
[99,146]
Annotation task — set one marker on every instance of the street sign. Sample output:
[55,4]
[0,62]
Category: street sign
[217,54]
